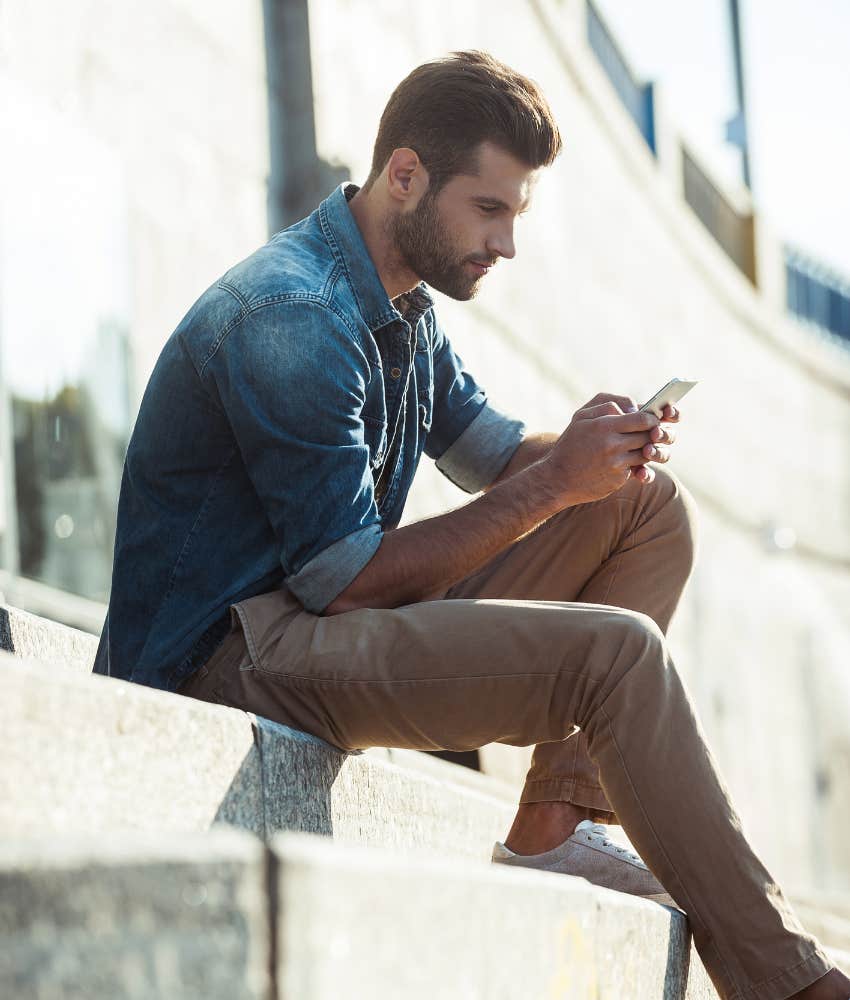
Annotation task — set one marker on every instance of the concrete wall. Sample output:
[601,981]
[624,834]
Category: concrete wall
[176,90]
[616,286]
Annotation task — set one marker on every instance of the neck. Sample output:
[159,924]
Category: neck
[372,220]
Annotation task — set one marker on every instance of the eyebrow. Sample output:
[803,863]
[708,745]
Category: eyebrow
[498,203]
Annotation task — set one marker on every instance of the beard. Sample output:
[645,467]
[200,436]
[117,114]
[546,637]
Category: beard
[424,246]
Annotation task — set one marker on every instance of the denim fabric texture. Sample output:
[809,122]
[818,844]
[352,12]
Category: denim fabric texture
[277,440]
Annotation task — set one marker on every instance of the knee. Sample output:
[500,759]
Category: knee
[622,639]
[642,661]
[628,653]
[638,644]
[641,687]
[636,629]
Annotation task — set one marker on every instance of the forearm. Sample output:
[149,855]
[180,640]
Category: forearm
[532,448]
[428,556]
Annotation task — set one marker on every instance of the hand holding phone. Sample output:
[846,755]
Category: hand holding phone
[671,393]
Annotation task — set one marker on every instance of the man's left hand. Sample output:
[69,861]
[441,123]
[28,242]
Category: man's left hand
[658,448]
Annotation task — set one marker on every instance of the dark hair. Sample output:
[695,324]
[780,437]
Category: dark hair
[447,107]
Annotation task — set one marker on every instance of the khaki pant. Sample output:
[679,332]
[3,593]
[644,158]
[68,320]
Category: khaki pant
[564,629]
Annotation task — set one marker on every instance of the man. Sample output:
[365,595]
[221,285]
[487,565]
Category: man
[274,449]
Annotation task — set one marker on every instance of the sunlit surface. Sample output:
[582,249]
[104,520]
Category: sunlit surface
[797,79]
[64,317]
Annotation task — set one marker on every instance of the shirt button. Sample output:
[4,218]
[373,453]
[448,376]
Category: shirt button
[395,372]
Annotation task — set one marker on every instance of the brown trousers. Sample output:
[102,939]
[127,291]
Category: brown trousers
[563,629]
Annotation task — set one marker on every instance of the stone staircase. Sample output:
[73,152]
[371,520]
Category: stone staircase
[152,846]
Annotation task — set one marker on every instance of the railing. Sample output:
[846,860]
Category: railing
[636,96]
[732,231]
[816,294]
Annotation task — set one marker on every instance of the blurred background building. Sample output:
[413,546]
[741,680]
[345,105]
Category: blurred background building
[149,145]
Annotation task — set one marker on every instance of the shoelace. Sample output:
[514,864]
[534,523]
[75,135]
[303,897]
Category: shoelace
[602,831]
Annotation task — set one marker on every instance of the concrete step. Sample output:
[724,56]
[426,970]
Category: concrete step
[381,925]
[220,915]
[84,753]
[210,915]
[31,637]
[40,639]
[135,917]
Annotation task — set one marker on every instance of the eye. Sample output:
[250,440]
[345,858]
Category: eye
[488,209]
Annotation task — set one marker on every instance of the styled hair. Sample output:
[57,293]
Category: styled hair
[447,107]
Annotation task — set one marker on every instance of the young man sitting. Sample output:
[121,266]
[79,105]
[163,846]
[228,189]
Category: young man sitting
[259,562]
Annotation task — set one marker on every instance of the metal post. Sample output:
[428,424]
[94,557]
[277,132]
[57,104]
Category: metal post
[737,128]
[9,553]
[298,178]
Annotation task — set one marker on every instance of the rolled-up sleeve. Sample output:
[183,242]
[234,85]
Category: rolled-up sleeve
[326,575]
[292,379]
[470,440]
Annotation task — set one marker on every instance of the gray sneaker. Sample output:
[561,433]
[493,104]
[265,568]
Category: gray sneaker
[589,854]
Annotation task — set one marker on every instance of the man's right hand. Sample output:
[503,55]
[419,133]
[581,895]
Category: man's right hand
[599,451]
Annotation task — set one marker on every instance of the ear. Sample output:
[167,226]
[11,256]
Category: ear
[407,178]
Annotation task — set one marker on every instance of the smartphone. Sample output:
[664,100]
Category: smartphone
[671,393]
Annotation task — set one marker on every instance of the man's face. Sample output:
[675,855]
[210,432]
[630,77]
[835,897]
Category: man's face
[450,240]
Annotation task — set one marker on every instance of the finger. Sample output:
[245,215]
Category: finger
[626,403]
[656,453]
[633,460]
[662,434]
[606,409]
[633,443]
[649,474]
[670,413]
[629,423]
[643,473]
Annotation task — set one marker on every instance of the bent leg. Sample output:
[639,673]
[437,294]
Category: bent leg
[635,550]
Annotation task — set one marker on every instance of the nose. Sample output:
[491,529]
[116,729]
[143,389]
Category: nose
[502,242]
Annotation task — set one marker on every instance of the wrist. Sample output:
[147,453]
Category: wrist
[547,483]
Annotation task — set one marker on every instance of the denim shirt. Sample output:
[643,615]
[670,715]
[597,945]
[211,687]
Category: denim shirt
[277,440]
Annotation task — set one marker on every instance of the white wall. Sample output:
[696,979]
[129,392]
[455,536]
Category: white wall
[176,89]
[152,121]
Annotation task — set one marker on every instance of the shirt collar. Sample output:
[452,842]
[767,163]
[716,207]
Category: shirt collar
[346,242]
